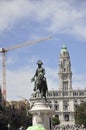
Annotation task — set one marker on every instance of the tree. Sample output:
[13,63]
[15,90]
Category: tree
[18,117]
[80,114]
[55,121]
[14,116]
[3,118]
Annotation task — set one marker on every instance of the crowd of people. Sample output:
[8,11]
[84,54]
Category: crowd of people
[68,127]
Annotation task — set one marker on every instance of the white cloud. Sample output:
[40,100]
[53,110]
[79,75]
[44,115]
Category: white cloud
[19,83]
[52,78]
[11,60]
[58,15]
[12,11]
[79,31]
[79,81]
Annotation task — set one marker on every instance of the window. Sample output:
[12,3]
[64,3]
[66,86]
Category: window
[56,94]
[65,85]
[66,117]
[82,101]
[56,107]
[75,93]
[81,93]
[64,62]
[64,53]
[49,94]
[64,69]
[75,101]
[65,93]
[49,101]
[65,107]
[55,101]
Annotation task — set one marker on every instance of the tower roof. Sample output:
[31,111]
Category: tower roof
[64,49]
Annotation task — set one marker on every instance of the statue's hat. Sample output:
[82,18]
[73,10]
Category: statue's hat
[39,62]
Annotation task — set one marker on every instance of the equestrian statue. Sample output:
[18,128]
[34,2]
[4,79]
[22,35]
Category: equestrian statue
[40,82]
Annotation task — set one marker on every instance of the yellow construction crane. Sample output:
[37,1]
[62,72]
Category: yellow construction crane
[4,51]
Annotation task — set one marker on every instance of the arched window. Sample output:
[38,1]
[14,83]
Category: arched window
[66,117]
[64,62]
[65,85]
[56,107]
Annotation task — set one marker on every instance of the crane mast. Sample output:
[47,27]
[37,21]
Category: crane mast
[4,51]
[4,76]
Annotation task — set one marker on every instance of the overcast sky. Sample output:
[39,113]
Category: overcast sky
[28,20]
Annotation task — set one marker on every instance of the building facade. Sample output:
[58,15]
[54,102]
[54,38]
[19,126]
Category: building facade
[64,100]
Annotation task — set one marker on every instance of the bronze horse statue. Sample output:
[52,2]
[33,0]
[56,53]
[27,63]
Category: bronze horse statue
[41,85]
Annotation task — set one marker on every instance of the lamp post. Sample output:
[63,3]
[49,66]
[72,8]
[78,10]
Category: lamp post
[8,126]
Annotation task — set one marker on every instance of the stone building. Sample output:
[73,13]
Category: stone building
[64,100]
[21,104]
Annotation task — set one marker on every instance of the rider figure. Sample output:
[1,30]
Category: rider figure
[39,74]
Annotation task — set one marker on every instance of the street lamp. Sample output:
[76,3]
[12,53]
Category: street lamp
[8,126]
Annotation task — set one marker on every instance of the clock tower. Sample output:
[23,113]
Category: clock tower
[65,74]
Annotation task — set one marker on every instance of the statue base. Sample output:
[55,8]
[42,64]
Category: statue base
[42,114]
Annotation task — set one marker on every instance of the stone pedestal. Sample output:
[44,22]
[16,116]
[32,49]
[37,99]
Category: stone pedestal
[42,114]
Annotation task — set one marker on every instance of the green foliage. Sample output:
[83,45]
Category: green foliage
[55,121]
[80,114]
[3,118]
[15,117]
[18,118]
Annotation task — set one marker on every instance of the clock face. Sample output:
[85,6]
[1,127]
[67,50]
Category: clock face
[64,77]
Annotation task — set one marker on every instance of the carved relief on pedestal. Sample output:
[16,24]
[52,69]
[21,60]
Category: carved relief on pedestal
[39,117]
